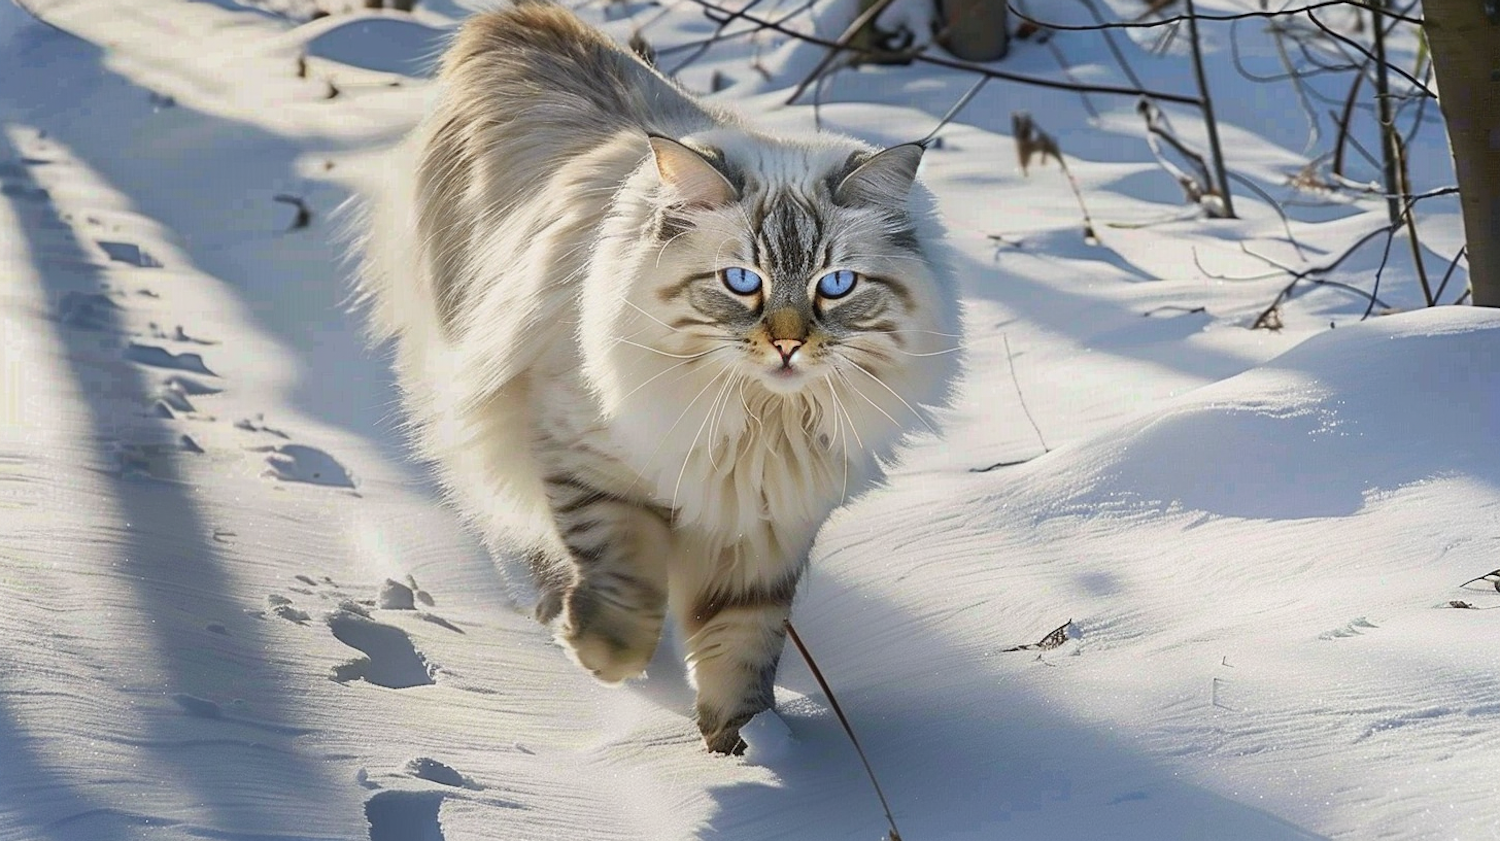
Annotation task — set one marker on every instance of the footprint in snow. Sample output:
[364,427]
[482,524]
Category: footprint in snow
[177,335]
[16,183]
[171,404]
[188,386]
[171,401]
[433,771]
[308,465]
[404,816]
[161,358]
[258,424]
[88,311]
[155,461]
[390,659]
[204,708]
[394,595]
[283,607]
[129,253]
[1355,627]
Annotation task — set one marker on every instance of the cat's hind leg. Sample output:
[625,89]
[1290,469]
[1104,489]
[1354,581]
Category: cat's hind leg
[612,612]
[734,642]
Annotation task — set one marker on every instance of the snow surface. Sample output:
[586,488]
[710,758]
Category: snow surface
[235,610]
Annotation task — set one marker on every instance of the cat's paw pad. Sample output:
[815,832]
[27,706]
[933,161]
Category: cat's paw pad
[609,659]
[611,641]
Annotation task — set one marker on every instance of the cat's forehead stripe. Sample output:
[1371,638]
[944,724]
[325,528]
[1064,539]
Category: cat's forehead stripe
[790,230]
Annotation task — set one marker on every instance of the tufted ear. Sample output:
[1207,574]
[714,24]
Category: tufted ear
[690,175]
[883,179]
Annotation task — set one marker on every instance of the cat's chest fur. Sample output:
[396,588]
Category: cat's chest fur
[732,463]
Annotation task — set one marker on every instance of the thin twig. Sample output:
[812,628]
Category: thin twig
[844,720]
[1360,48]
[1194,188]
[970,67]
[865,18]
[1221,180]
[1449,273]
[999,464]
[957,107]
[1387,122]
[1278,32]
[1411,219]
[1385,257]
[1062,64]
[1492,576]
[721,35]
[1343,123]
[1286,223]
[1191,16]
[1420,119]
[1031,140]
[707,44]
[1308,274]
[1011,362]
[1114,48]
[1299,84]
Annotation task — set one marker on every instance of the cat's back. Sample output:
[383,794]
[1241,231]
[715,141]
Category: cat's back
[553,70]
[538,118]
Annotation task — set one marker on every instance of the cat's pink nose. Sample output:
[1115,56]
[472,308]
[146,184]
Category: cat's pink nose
[787,347]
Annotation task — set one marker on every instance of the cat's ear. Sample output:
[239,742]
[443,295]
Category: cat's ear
[883,179]
[693,177]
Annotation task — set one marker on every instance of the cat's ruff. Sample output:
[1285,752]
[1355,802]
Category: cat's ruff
[623,337]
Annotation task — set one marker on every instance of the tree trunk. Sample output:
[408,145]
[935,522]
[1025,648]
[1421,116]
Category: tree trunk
[974,30]
[1465,49]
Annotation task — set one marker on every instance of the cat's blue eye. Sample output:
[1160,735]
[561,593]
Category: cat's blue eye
[741,281]
[836,284]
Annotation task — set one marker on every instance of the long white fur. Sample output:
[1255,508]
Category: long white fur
[561,334]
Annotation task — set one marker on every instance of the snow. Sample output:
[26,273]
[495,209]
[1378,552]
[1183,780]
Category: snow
[211,533]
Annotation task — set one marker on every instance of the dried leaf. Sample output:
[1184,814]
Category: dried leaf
[1269,320]
[642,48]
[1056,638]
[1493,576]
[1461,605]
[1052,640]
[304,213]
[1031,141]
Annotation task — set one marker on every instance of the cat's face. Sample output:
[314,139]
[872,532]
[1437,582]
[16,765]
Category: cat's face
[793,285]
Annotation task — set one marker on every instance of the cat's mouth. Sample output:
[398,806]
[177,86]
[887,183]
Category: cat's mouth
[784,377]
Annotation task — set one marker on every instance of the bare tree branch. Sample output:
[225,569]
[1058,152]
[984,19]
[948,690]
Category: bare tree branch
[1171,21]
[865,18]
[1452,264]
[970,67]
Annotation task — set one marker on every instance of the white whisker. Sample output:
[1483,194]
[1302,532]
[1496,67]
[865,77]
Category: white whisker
[882,384]
[620,340]
[688,456]
[668,370]
[942,352]
[666,436]
[866,398]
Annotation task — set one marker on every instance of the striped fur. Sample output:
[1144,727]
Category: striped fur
[595,398]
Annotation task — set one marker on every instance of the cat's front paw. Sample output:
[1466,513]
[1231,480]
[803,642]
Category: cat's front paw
[723,735]
[612,641]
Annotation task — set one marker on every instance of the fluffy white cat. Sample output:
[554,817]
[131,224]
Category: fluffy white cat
[649,348]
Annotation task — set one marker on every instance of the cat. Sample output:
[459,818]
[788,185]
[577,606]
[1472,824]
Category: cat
[649,348]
